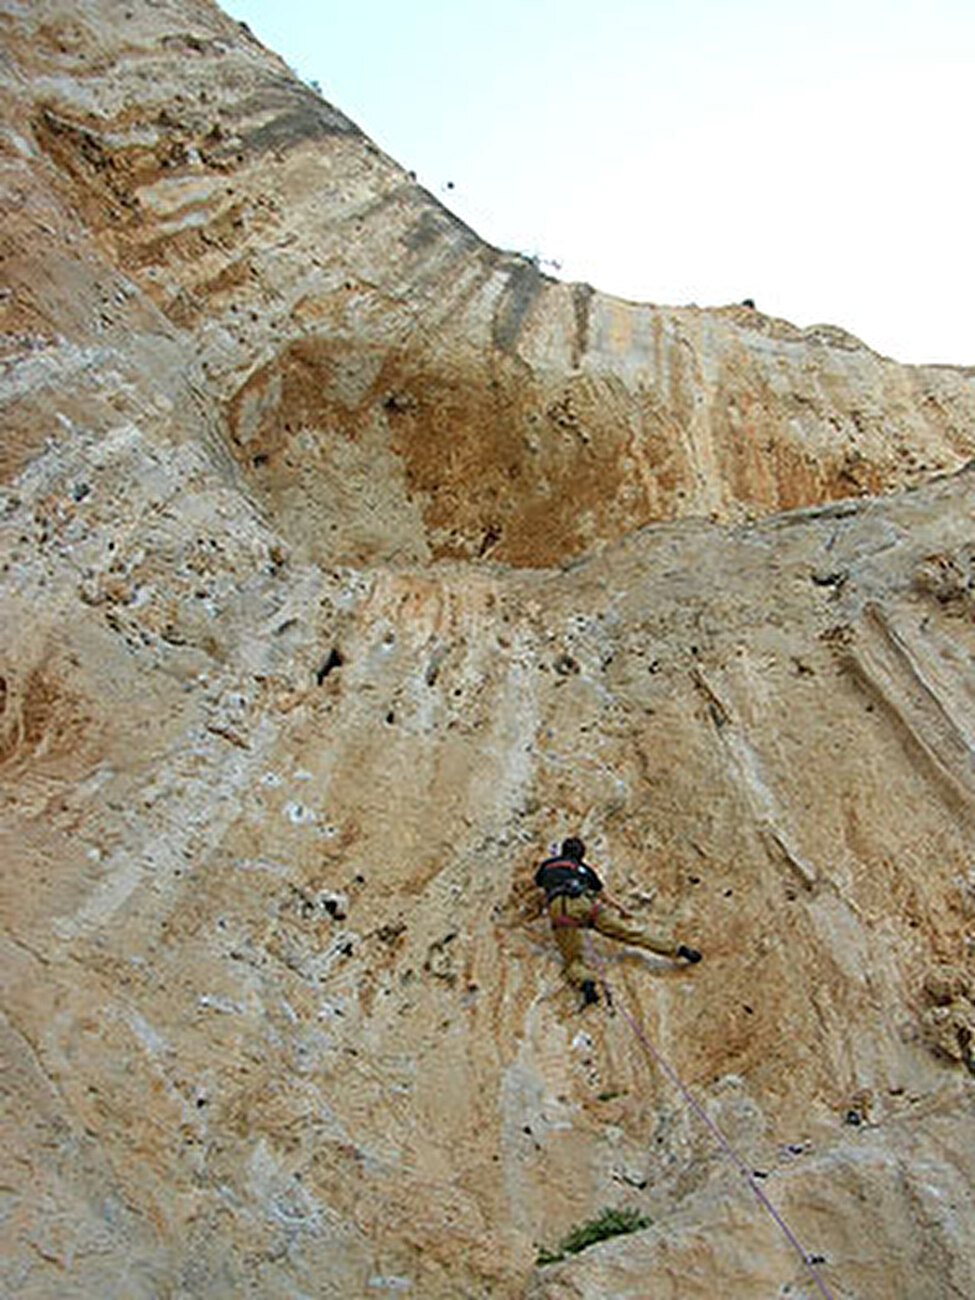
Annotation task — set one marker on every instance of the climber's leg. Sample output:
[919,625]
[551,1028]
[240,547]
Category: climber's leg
[609,920]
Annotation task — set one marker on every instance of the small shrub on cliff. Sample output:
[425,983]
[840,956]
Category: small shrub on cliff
[608,1223]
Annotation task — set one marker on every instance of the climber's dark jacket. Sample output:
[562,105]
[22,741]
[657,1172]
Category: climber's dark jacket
[563,876]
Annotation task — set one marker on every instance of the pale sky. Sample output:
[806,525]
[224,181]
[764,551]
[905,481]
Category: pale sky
[816,157]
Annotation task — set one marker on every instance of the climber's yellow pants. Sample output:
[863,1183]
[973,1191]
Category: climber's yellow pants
[570,916]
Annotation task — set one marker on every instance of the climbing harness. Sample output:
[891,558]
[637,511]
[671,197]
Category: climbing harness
[562,919]
[722,1141]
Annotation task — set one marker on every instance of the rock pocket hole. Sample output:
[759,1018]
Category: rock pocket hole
[334,660]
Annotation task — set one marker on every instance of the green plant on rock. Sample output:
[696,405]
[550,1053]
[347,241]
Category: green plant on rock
[608,1223]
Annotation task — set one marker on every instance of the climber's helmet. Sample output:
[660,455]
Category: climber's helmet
[573,849]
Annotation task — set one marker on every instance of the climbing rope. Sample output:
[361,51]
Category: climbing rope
[720,1138]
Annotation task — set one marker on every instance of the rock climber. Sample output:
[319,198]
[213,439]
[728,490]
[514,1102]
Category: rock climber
[572,892]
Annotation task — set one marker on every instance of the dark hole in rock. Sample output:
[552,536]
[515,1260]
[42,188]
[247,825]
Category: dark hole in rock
[333,661]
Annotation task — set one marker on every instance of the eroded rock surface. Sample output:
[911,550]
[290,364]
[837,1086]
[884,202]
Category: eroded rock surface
[348,562]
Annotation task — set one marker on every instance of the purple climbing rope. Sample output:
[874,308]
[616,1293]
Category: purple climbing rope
[722,1141]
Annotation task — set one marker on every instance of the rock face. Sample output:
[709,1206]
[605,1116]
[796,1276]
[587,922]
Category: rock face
[347,564]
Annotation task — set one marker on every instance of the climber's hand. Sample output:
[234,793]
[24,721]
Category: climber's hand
[690,955]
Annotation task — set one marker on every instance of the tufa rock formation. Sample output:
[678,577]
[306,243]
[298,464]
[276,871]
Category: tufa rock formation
[347,562]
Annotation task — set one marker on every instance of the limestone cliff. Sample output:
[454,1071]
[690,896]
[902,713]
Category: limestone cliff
[347,562]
